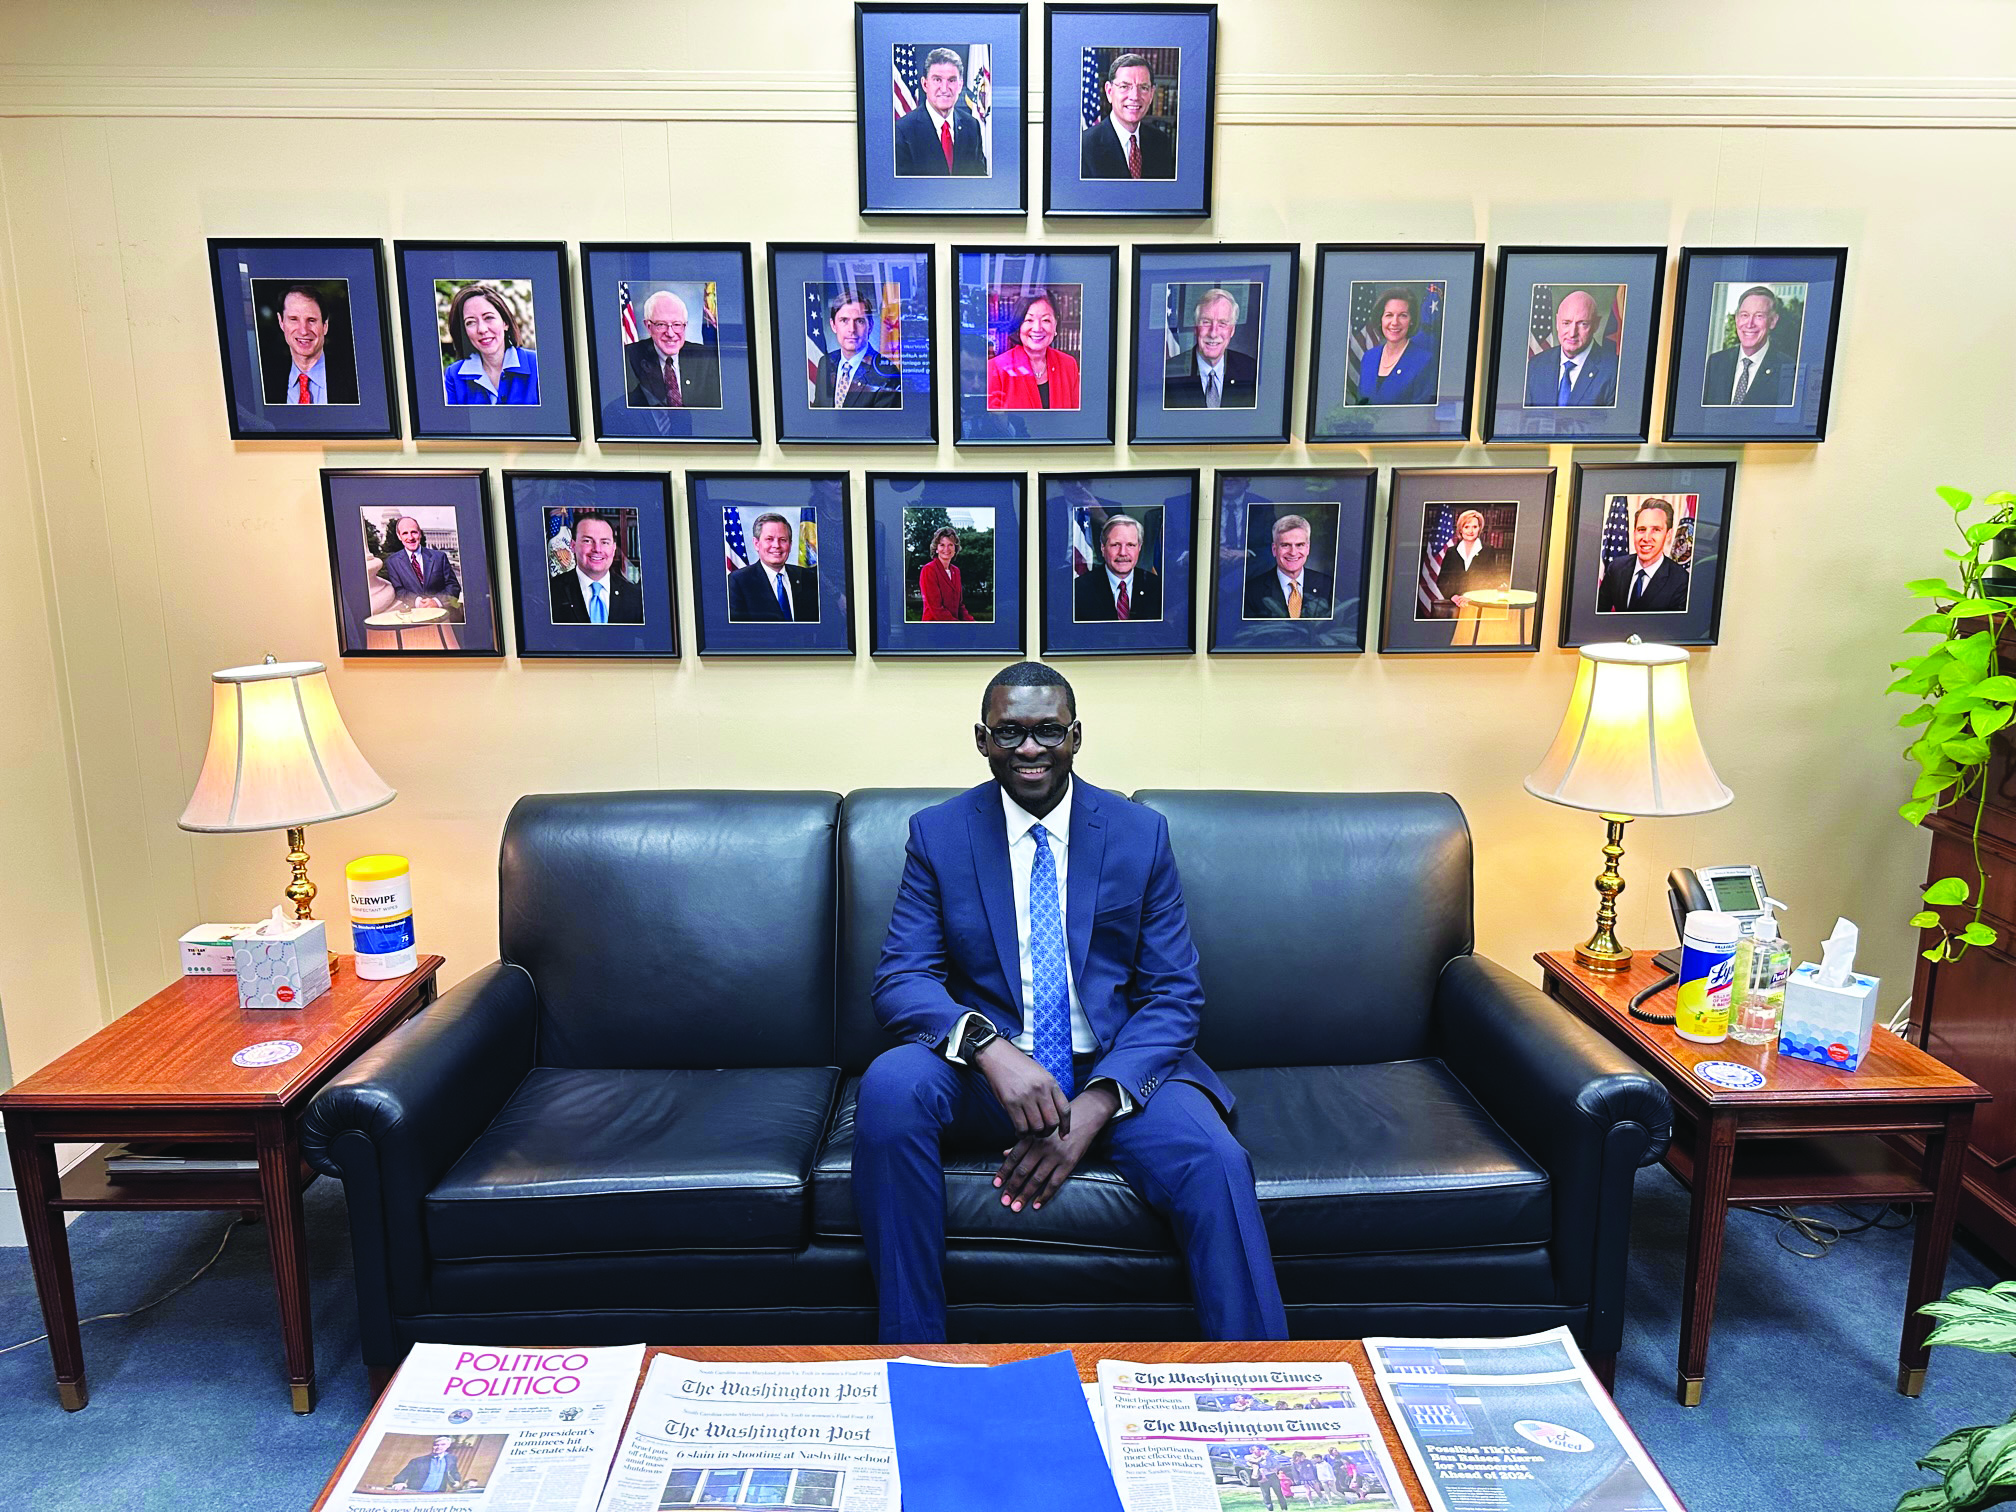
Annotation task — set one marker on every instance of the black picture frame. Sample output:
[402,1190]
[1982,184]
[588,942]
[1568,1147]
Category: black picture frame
[1809,278]
[896,174]
[1249,608]
[534,271]
[1434,402]
[628,402]
[993,407]
[1516,504]
[726,617]
[804,279]
[1082,41]
[1610,397]
[1166,404]
[250,277]
[358,501]
[638,505]
[999,627]
[1076,508]
[1606,502]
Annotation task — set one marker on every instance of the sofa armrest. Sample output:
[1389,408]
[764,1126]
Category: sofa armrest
[392,1122]
[1574,1102]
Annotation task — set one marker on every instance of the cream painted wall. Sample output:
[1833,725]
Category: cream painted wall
[161,550]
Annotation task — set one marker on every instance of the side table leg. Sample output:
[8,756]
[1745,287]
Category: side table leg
[1945,1155]
[37,1182]
[280,1196]
[1707,1220]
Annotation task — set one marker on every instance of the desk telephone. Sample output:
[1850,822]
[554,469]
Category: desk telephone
[1735,890]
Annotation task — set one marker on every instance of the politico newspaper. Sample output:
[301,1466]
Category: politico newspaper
[485,1430]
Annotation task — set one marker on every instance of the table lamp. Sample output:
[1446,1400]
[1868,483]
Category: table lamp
[1627,748]
[280,758]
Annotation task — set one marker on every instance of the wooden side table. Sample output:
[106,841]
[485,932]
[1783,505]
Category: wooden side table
[1809,1134]
[166,1071]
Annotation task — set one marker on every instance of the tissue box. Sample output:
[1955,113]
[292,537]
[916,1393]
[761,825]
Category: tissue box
[206,950]
[1831,1025]
[281,963]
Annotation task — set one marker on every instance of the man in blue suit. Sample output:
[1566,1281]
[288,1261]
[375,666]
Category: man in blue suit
[1577,372]
[1039,968]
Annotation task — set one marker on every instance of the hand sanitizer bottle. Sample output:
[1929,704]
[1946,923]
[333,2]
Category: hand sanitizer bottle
[1763,962]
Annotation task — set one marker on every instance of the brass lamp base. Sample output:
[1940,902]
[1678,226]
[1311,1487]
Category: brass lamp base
[301,893]
[1603,951]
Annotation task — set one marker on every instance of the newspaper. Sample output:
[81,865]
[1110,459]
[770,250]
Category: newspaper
[1215,1438]
[709,1434]
[493,1430]
[1513,1425]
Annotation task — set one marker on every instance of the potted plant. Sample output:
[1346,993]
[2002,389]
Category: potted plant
[1976,1466]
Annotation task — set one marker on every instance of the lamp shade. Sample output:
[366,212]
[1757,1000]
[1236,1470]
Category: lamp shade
[279,755]
[1627,744]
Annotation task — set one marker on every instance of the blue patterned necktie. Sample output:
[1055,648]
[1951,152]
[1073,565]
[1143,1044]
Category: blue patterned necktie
[1050,1005]
[1567,384]
[783,603]
[598,612]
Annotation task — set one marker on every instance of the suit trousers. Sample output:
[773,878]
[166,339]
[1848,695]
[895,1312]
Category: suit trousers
[1175,1152]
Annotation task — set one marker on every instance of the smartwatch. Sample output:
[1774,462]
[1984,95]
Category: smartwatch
[978,1036]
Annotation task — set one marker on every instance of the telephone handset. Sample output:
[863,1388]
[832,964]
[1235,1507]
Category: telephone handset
[1734,890]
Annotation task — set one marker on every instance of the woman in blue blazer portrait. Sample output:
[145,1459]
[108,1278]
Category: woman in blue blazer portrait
[491,366]
[1401,369]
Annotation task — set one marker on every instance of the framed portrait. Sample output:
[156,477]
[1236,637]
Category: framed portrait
[1647,552]
[411,562]
[1293,560]
[1036,345]
[1139,140]
[945,556]
[942,109]
[1573,334]
[1117,568]
[591,563]
[1214,344]
[772,575]
[1395,347]
[669,341]
[1466,558]
[305,336]
[1753,343]
[489,340]
[851,356]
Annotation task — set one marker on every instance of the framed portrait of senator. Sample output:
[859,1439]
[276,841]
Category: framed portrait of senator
[851,355]
[1753,343]
[305,335]
[942,109]
[411,562]
[1036,345]
[1395,348]
[1647,552]
[1293,560]
[1128,127]
[945,564]
[1118,563]
[1213,344]
[1466,559]
[489,340]
[772,568]
[591,563]
[1574,331]
[670,356]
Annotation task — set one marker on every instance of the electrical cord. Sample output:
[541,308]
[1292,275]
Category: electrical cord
[1825,1233]
[215,1256]
[1644,1014]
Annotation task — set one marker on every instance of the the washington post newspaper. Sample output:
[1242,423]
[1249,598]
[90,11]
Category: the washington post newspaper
[1513,1425]
[773,1435]
[1227,1438]
[493,1430]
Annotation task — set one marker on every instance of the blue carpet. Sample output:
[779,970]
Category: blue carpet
[189,1403]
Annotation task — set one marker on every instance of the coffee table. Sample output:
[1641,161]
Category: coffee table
[1809,1134]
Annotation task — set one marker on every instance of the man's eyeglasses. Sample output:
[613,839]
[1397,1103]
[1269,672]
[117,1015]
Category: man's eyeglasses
[664,327]
[1049,736]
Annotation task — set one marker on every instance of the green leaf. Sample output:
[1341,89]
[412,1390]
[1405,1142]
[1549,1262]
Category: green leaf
[1932,588]
[1915,716]
[1987,721]
[1915,811]
[1944,893]
[1989,1335]
[1959,674]
[1926,919]
[1936,953]
[2001,688]
[1917,681]
[1951,1447]
[1978,933]
[1925,1499]
[1968,608]
[1930,786]
[1966,751]
[1930,624]
[1956,499]
[1976,650]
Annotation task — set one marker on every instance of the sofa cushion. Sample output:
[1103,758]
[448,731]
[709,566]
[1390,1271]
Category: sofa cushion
[1346,1159]
[582,1162]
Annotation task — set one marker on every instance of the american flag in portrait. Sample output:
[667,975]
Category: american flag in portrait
[631,329]
[736,542]
[1616,531]
[1091,90]
[905,75]
[1427,592]
[1540,335]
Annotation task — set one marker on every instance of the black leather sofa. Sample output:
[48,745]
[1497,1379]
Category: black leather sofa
[637,1123]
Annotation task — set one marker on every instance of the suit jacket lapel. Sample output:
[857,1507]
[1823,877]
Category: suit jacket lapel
[987,829]
[1088,854]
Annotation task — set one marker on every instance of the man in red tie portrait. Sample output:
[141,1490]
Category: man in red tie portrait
[1120,586]
[1125,143]
[666,369]
[302,367]
[940,137]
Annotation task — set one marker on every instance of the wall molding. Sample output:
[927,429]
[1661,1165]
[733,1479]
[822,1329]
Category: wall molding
[1243,99]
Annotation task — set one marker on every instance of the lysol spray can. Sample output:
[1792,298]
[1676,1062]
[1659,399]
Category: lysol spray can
[381,916]
[1707,976]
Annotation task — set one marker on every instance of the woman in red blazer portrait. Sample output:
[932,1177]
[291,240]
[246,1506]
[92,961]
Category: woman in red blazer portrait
[1032,373]
[944,596]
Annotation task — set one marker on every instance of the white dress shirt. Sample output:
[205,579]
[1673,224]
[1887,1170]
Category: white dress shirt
[1127,138]
[588,587]
[1211,374]
[1468,550]
[778,577]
